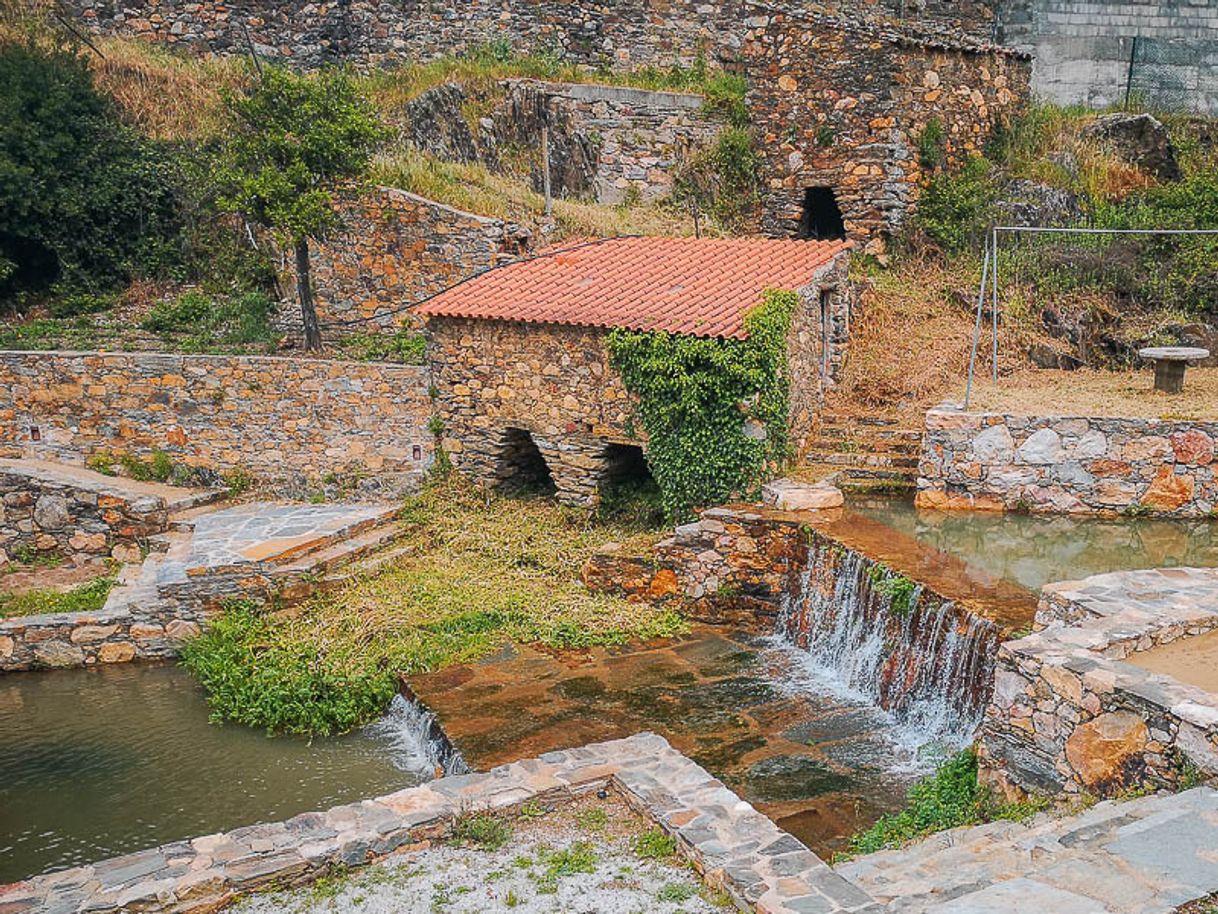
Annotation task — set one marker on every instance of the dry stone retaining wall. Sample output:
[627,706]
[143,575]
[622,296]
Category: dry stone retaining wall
[283,420]
[624,34]
[52,513]
[1077,465]
[1068,716]
[396,249]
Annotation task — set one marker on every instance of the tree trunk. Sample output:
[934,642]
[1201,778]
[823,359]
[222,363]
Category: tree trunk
[304,288]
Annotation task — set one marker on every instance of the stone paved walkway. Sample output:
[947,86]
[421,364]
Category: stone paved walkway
[174,498]
[1144,856]
[266,533]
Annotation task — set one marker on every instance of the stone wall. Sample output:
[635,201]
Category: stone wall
[816,347]
[396,249]
[1086,53]
[53,512]
[607,143]
[841,105]
[61,640]
[552,382]
[1069,717]
[625,34]
[284,420]
[1079,465]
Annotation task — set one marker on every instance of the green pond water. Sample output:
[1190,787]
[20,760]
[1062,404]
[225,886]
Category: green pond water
[1034,550]
[99,762]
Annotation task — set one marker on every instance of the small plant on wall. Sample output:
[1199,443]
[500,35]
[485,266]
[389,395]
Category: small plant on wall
[715,410]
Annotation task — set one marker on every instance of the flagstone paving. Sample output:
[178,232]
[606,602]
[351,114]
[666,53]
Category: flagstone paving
[1143,856]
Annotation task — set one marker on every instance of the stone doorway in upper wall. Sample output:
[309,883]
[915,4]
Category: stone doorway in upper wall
[520,466]
[821,218]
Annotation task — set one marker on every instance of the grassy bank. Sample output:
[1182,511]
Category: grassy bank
[482,574]
[85,598]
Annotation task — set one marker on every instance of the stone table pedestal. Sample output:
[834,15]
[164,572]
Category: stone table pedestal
[1170,362]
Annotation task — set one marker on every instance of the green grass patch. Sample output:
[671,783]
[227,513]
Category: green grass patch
[481,575]
[487,833]
[86,598]
[405,346]
[654,844]
[949,798]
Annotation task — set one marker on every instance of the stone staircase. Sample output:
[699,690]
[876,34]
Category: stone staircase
[864,453]
[1145,856]
[259,550]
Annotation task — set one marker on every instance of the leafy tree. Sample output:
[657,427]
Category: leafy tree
[85,203]
[292,141]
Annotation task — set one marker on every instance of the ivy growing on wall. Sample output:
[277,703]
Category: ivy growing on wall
[715,410]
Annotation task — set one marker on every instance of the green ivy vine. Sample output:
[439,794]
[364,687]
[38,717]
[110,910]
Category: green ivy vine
[704,401]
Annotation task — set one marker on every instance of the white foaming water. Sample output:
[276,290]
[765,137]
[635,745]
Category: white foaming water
[415,741]
[928,665]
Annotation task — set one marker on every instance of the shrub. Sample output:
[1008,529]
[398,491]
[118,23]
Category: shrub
[84,202]
[199,322]
[76,304]
[280,685]
[949,798]
[954,209]
[723,180]
[405,346]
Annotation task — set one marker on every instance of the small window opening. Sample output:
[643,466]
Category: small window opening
[822,217]
[521,466]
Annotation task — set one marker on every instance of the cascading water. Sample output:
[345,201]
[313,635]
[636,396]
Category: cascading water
[925,660]
[416,742]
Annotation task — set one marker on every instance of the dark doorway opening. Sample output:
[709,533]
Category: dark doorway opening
[822,217]
[521,467]
[628,490]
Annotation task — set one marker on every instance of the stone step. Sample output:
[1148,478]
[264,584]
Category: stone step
[183,519]
[847,445]
[870,421]
[903,435]
[192,499]
[862,459]
[342,553]
[370,565]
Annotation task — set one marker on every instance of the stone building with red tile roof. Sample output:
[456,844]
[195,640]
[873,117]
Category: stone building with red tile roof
[522,373]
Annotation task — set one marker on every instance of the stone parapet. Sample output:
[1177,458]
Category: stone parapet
[281,420]
[731,845]
[1068,715]
[1067,465]
[47,509]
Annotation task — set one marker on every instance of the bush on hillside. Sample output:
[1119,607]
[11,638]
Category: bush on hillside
[954,209]
[85,204]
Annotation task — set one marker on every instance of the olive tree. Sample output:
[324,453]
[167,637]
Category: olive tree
[292,141]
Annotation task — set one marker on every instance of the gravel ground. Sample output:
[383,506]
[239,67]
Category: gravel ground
[592,856]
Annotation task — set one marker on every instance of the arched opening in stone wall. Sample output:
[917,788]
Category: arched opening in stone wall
[627,485]
[521,467]
[821,219]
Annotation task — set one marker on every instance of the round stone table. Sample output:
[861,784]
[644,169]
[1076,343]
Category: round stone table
[1170,362]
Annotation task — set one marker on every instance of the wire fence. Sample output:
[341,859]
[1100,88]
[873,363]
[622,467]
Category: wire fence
[1094,261]
[1172,75]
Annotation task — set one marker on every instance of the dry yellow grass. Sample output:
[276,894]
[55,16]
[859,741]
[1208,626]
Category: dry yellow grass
[910,340]
[474,188]
[1034,392]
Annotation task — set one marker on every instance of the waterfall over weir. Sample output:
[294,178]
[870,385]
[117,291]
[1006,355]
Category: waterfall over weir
[924,659]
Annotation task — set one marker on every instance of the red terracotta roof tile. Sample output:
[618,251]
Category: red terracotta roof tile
[693,286]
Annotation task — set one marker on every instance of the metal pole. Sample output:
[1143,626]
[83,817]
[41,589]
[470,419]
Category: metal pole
[994,312]
[1133,50]
[972,359]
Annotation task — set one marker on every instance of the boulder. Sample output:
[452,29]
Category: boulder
[1023,202]
[1140,140]
[793,495]
[1106,752]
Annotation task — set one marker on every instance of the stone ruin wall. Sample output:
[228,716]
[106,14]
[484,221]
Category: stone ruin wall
[1080,465]
[627,34]
[396,249]
[53,515]
[842,106]
[284,420]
